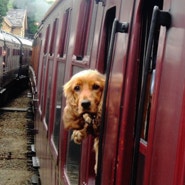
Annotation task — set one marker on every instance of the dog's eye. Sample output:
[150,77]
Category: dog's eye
[77,88]
[95,87]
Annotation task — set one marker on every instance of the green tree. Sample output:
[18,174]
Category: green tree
[3,10]
[32,27]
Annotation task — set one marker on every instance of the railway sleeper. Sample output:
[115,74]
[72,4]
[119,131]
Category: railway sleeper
[13,109]
[35,162]
[35,179]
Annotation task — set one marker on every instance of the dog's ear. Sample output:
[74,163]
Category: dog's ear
[102,79]
[69,93]
[67,89]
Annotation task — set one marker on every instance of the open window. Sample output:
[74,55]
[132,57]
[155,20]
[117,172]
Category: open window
[73,153]
[73,160]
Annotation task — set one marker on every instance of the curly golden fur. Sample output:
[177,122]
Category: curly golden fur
[82,113]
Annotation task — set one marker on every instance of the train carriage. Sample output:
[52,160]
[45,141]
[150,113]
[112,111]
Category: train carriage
[14,65]
[138,45]
[11,47]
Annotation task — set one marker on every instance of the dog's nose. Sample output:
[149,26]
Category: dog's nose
[85,104]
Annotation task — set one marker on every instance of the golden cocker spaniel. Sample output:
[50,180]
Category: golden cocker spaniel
[82,113]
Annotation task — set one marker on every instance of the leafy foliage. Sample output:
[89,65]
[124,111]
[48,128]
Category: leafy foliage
[3,10]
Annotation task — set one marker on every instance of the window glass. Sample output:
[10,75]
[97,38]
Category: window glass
[59,93]
[49,91]
[64,35]
[46,40]
[83,22]
[53,37]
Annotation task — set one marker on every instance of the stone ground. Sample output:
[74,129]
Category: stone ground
[13,144]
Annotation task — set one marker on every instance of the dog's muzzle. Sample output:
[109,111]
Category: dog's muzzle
[86,104]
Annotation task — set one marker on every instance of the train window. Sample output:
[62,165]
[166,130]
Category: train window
[8,51]
[48,91]
[73,153]
[46,40]
[16,51]
[30,53]
[146,20]
[60,80]
[64,35]
[81,38]
[53,37]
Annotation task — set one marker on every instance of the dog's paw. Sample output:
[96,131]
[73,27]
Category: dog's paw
[95,168]
[77,136]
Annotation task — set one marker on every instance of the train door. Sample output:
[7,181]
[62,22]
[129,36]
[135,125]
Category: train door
[136,95]
[106,49]
[112,60]
[148,38]
[77,59]
[160,145]
[124,143]
[150,131]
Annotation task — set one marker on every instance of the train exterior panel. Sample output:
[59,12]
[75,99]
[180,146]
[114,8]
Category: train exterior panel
[139,46]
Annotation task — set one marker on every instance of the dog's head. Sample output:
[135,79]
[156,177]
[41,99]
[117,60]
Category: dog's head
[84,91]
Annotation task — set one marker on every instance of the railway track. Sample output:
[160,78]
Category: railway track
[18,164]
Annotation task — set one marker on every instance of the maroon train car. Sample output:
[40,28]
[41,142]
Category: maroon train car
[139,45]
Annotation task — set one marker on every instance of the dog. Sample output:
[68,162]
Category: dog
[82,113]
